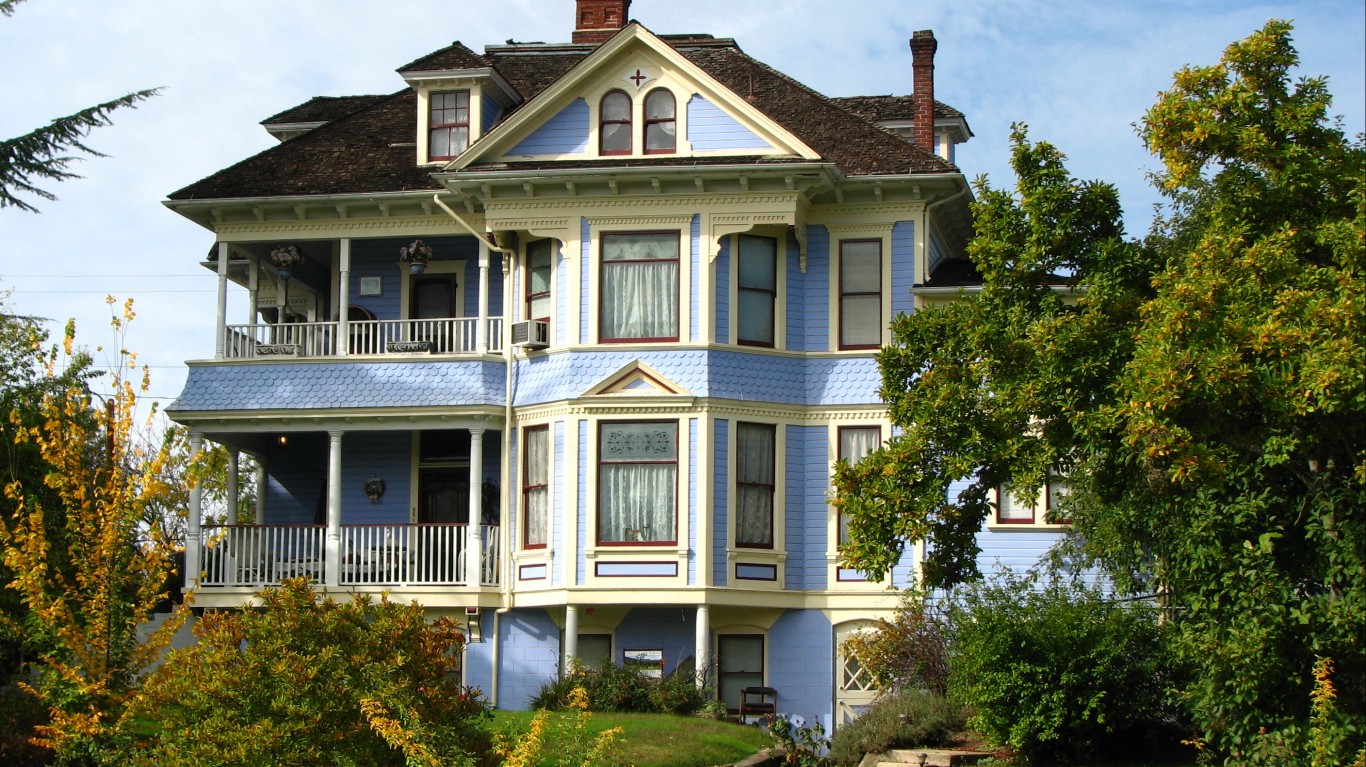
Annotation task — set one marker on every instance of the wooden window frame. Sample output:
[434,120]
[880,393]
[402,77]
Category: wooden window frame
[772,487]
[647,122]
[741,290]
[678,449]
[678,284]
[843,294]
[627,121]
[528,488]
[433,126]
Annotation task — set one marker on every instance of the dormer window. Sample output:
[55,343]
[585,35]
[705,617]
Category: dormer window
[614,132]
[448,124]
[661,127]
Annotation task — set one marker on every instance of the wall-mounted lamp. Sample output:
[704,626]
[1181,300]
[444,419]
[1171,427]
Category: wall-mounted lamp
[282,440]
[374,489]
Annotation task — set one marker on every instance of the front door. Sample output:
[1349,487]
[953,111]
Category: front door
[434,300]
[854,688]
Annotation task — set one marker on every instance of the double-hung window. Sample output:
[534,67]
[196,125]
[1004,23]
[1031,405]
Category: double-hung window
[754,485]
[855,443]
[757,269]
[661,125]
[538,256]
[448,124]
[1014,509]
[614,123]
[860,294]
[637,482]
[536,487]
[639,284]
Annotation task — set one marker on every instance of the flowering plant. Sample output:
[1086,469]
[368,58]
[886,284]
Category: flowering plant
[286,257]
[416,253]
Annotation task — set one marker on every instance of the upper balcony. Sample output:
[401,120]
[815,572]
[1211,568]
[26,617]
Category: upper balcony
[364,335]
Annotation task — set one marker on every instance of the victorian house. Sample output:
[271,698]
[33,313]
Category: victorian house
[565,340]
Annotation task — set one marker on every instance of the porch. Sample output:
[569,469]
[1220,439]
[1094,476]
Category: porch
[390,555]
[454,335]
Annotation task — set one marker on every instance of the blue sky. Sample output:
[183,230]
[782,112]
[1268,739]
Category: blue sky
[1080,74]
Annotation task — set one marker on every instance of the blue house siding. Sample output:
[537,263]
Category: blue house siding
[479,658]
[294,487]
[565,133]
[814,311]
[801,655]
[559,534]
[488,114]
[529,656]
[581,566]
[383,454]
[561,319]
[817,511]
[738,375]
[709,128]
[330,385]
[693,457]
[903,266]
[585,249]
[670,629]
[722,297]
[794,322]
[794,512]
[720,511]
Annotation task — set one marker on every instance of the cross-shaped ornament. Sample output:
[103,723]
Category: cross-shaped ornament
[638,78]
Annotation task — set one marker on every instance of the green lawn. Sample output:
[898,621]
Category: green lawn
[661,740]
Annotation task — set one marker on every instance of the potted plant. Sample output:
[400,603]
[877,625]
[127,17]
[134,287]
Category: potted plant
[285,258]
[416,256]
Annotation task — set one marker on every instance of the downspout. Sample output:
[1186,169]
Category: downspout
[506,585]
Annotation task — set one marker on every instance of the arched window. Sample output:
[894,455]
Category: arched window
[614,124]
[661,126]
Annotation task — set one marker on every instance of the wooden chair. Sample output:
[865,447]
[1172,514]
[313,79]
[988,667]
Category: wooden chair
[758,701]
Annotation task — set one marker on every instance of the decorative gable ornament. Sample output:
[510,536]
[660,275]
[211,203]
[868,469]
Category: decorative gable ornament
[639,76]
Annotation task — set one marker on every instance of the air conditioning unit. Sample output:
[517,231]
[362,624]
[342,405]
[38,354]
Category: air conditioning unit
[532,334]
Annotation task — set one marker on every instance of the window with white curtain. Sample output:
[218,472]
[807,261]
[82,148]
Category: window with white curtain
[637,482]
[448,124]
[860,294]
[661,128]
[536,487]
[754,472]
[855,443]
[639,287]
[757,269]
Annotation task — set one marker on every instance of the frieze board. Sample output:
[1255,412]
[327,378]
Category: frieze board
[335,228]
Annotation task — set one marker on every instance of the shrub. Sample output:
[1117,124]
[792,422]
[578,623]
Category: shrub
[21,712]
[910,651]
[900,720]
[620,688]
[308,680]
[1052,668]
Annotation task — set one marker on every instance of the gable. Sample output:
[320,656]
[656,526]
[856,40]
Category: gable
[563,122]
[635,379]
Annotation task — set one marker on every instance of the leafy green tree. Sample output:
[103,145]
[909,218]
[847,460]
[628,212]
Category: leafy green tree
[307,680]
[40,154]
[1201,393]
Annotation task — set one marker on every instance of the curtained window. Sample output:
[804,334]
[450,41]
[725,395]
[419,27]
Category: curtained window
[758,290]
[754,471]
[538,256]
[855,443]
[536,487]
[661,126]
[614,124]
[637,482]
[639,287]
[448,124]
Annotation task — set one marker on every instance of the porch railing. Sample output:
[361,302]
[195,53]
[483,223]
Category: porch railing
[370,555]
[452,335]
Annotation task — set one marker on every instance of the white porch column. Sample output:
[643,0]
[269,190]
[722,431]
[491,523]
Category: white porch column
[261,486]
[233,492]
[344,299]
[571,636]
[473,549]
[221,337]
[332,553]
[253,288]
[481,333]
[702,655]
[193,531]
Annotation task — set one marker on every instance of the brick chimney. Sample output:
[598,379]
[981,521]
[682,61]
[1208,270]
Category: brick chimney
[597,20]
[923,46]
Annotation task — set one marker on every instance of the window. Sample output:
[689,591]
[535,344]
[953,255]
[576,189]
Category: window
[595,651]
[754,460]
[1012,509]
[639,287]
[535,487]
[855,443]
[739,664]
[538,256]
[860,294]
[448,124]
[637,482]
[661,127]
[758,290]
[614,124]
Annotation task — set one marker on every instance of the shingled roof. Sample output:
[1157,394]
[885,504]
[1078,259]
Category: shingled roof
[370,150]
[879,108]
[321,109]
